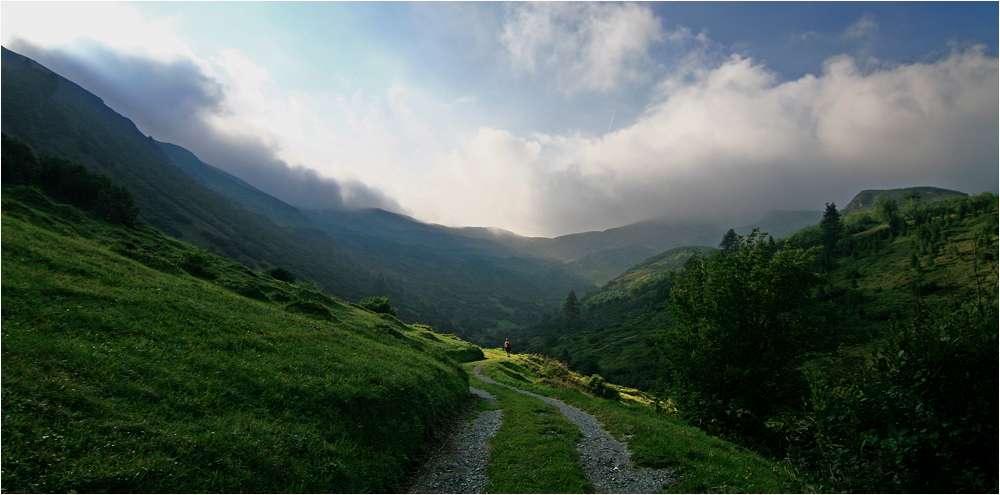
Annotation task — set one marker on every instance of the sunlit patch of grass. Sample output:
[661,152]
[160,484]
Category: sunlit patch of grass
[661,440]
[127,373]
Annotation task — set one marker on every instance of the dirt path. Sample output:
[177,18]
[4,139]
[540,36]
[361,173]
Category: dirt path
[460,465]
[604,460]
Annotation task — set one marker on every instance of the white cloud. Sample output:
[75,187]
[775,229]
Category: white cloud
[720,139]
[584,47]
[726,143]
[864,28]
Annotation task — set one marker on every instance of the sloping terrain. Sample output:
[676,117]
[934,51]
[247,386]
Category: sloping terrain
[374,254]
[133,362]
[54,115]
[867,199]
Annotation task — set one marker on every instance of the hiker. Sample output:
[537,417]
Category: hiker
[506,347]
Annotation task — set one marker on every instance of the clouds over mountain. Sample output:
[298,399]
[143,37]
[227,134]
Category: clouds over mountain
[730,142]
[547,119]
[179,100]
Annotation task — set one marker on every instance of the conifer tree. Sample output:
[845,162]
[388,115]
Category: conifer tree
[730,242]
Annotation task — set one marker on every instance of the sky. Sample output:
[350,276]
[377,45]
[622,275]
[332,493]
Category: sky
[547,118]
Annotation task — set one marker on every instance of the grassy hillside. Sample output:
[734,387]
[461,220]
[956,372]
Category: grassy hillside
[934,254]
[656,436]
[136,363]
[616,331]
[867,199]
[55,116]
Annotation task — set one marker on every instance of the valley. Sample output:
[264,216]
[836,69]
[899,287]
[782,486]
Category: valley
[168,327]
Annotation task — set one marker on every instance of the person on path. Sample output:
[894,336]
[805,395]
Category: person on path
[506,347]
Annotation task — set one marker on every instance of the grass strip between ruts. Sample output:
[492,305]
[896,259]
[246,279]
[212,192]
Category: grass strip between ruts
[535,449]
[706,464]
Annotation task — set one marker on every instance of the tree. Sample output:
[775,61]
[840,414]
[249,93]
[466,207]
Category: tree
[742,326]
[730,242]
[831,231]
[571,312]
[888,210]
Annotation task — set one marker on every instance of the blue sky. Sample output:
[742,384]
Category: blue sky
[551,118]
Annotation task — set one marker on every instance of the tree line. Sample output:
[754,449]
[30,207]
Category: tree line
[67,181]
[914,411]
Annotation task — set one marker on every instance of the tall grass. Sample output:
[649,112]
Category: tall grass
[123,372]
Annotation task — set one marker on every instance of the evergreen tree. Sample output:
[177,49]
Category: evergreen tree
[831,230]
[571,312]
[730,242]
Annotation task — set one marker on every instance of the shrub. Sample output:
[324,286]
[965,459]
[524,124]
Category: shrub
[197,263]
[378,304]
[596,385]
[921,417]
[279,273]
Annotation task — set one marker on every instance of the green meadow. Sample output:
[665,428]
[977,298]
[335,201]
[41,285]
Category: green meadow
[136,363]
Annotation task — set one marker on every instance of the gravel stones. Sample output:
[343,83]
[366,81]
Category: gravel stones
[605,461]
[460,465]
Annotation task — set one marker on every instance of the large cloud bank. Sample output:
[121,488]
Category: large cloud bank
[720,136]
[729,142]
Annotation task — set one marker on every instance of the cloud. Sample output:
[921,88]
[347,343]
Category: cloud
[584,47]
[728,142]
[864,28]
[177,100]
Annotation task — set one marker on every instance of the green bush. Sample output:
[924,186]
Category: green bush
[743,325]
[378,304]
[919,417]
[282,274]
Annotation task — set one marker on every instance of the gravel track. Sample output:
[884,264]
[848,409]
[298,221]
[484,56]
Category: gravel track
[460,465]
[605,461]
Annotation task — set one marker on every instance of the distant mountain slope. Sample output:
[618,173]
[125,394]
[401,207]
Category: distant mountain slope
[234,188]
[617,329]
[601,256]
[432,274]
[54,115]
[866,200]
[644,274]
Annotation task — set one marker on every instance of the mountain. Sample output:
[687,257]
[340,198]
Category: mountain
[947,252]
[600,256]
[433,275]
[867,199]
[54,115]
[478,282]
[235,189]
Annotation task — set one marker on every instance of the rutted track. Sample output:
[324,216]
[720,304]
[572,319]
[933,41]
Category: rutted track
[604,460]
[460,465]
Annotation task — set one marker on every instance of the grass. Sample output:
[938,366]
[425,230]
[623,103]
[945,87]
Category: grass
[123,372]
[657,439]
[535,449]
